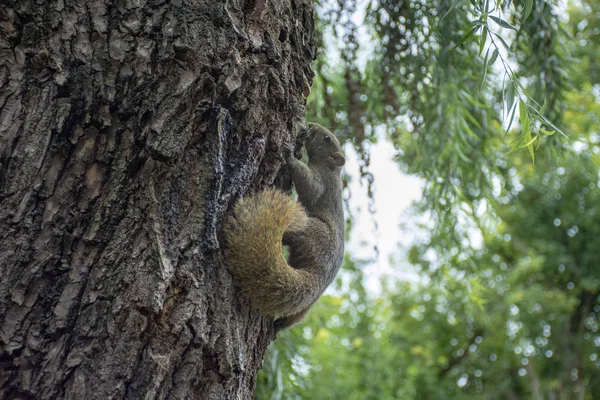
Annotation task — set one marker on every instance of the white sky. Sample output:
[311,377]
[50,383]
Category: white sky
[394,192]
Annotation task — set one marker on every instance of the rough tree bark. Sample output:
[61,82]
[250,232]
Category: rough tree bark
[127,130]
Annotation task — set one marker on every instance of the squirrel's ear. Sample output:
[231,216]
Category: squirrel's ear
[337,159]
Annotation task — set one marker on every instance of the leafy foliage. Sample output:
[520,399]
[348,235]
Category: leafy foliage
[507,299]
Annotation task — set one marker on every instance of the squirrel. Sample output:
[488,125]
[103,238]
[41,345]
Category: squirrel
[312,228]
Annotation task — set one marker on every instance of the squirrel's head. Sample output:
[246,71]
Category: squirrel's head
[322,146]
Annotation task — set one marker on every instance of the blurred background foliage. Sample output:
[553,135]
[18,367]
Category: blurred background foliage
[496,106]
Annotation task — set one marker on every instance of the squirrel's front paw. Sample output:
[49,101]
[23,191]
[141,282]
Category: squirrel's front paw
[288,153]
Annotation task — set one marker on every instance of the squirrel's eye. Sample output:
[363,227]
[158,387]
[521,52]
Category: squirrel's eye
[327,138]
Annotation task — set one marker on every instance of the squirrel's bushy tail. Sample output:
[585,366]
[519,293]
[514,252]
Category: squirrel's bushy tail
[255,254]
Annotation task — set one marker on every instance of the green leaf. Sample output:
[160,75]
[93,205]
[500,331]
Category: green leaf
[549,133]
[502,41]
[543,108]
[525,122]
[462,155]
[512,118]
[526,128]
[482,39]
[510,95]
[485,67]
[466,36]
[530,142]
[493,57]
[517,82]
[474,102]
[502,23]
[530,147]
[557,129]
[471,119]
[452,7]
[528,8]
[469,131]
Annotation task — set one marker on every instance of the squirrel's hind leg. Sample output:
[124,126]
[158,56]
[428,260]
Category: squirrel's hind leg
[289,320]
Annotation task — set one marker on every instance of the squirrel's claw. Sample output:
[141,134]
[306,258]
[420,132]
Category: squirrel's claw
[288,151]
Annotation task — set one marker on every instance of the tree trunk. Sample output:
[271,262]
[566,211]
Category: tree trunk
[127,130]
